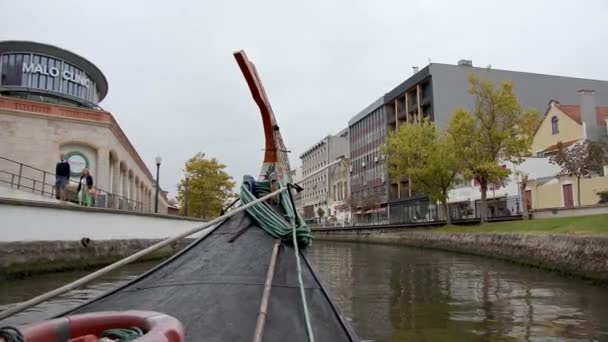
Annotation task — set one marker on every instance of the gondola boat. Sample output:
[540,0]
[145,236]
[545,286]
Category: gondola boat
[245,281]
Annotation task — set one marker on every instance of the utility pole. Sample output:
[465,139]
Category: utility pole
[158,161]
[186,199]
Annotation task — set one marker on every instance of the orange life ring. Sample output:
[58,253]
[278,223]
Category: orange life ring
[158,327]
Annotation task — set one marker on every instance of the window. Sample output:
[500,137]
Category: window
[554,125]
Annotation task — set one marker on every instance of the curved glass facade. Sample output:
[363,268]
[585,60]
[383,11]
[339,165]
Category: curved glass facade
[39,73]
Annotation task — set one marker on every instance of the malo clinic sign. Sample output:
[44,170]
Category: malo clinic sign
[72,76]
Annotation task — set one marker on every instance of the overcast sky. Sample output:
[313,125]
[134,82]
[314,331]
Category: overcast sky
[175,88]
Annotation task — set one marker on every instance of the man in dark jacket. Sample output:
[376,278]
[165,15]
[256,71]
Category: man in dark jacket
[62,177]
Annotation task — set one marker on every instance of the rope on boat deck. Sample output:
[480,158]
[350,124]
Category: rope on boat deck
[86,279]
[288,227]
[11,334]
[278,225]
[311,336]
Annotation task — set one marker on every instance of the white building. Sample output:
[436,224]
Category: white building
[339,210]
[533,167]
[316,178]
[296,177]
[49,105]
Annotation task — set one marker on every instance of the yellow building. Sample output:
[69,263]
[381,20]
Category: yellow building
[562,191]
[568,124]
[563,123]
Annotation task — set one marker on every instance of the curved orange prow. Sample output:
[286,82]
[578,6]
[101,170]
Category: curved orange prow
[259,95]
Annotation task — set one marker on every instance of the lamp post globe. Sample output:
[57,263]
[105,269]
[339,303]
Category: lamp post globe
[158,160]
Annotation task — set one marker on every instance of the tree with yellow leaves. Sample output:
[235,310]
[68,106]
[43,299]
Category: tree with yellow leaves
[208,190]
[495,131]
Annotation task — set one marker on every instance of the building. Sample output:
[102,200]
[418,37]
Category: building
[339,210]
[49,104]
[369,189]
[545,188]
[434,92]
[569,124]
[503,199]
[296,177]
[315,172]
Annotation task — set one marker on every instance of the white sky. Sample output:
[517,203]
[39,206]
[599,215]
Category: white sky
[175,88]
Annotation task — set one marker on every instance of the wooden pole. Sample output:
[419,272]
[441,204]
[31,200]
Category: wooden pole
[259,327]
[84,280]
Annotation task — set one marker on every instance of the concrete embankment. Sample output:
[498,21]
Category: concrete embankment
[22,220]
[21,259]
[582,256]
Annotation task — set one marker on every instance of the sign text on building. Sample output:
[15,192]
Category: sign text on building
[76,77]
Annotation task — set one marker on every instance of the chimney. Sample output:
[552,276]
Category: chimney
[415,69]
[591,129]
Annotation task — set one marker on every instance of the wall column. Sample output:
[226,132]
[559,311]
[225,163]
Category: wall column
[125,184]
[147,199]
[115,190]
[102,178]
[131,188]
[138,194]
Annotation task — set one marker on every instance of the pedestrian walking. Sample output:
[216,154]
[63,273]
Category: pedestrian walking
[85,188]
[62,177]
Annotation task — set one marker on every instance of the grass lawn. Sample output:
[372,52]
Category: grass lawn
[581,225]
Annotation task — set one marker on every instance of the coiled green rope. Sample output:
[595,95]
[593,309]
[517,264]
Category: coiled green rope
[287,226]
[123,335]
[278,225]
[11,334]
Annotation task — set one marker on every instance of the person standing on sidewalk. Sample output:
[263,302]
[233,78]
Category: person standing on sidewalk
[62,177]
[85,188]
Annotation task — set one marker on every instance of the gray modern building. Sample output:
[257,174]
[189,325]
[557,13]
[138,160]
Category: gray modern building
[369,189]
[435,92]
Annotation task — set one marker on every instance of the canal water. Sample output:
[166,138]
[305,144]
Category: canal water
[394,293]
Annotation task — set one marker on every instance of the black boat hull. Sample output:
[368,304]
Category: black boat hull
[215,286]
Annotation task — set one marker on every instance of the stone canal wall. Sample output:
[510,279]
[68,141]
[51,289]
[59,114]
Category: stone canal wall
[583,256]
[25,258]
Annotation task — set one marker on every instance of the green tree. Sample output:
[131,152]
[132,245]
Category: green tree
[495,131]
[427,156]
[580,160]
[209,187]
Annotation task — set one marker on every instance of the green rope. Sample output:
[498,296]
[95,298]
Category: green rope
[311,335]
[288,226]
[278,225]
[123,335]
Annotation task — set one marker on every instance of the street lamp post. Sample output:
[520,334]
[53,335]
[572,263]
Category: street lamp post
[186,199]
[158,161]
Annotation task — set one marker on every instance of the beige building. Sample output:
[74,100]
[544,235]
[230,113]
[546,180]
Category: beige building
[558,192]
[568,124]
[36,133]
[339,210]
[49,104]
[315,174]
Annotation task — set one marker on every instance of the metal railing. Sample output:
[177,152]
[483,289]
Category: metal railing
[24,177]
[423,211]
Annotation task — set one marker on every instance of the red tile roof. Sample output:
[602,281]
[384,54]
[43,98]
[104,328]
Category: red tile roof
[574,112]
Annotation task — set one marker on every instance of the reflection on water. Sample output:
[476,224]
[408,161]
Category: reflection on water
[395,293]
[14,291]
